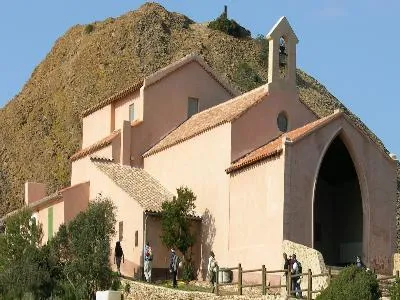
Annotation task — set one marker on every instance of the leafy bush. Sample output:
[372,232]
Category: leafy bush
[188,272]
[352,284]
[22,265]
[84,248]
[394,290]
[72,265]
[88,28]
[231,27]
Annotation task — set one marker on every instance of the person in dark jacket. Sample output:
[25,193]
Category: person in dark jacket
[118,256]
[173,267]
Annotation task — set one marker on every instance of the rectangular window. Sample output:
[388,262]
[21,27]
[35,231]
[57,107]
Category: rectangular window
[121,230]
[50,223]
[193,106]
[136,238]
[132,112]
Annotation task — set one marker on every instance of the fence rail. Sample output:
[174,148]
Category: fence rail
[289,277]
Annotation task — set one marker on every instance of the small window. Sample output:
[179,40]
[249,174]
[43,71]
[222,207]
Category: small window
[132,112]
[120,230]
[282,122]
[136,238]
[193,106]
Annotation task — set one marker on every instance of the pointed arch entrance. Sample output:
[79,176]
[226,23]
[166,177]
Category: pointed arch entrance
[338,211]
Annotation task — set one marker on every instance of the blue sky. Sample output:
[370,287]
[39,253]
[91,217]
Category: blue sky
[349,46]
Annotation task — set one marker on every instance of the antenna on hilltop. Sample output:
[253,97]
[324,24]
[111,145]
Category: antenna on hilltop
[226,11]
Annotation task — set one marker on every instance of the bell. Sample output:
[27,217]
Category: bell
[282,56]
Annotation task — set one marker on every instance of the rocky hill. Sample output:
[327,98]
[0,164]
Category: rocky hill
[41,126]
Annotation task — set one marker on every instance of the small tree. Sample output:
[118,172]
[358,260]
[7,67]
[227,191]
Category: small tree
[21,262]
[231,27]
[84,249]
[175,226]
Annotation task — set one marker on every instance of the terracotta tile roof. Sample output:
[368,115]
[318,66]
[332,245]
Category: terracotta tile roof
[96,146]
[137,183]
[215,116]
[134,87]
[274,148]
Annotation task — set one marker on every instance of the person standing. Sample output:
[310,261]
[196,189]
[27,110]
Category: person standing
[296,270]
[148,258]
[118,256]
[173,267]
[286,267]
[211,270]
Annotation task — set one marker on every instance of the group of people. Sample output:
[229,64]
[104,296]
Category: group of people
[292,265]
[148,259]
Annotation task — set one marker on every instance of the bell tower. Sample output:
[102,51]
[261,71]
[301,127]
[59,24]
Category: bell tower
[282,56]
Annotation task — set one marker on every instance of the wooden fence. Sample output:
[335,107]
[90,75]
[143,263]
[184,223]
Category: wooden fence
[288,286]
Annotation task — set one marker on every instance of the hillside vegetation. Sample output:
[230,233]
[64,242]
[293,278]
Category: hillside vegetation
[41,126]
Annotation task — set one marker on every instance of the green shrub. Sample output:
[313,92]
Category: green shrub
[352,284]
[88,28]
[188,272]
[115,282]
[231,27]
[394,290]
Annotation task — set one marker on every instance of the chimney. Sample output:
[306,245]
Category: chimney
[125,154]
[34,191]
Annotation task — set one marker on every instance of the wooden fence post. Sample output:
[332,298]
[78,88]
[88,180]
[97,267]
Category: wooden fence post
[217,280]
[329,275]
[289,282]
[309,289]
[240,289]
[264,280]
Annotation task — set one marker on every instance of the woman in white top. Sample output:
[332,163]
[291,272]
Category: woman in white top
[211,269]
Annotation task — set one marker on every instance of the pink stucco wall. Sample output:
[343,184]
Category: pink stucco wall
[58,217]
[80,166]
[76,199]
[34,191]
[96,126]
[199,164]
[376,173]
[259,124]
[256,215]
[128,211]
[121,109]
[166,105]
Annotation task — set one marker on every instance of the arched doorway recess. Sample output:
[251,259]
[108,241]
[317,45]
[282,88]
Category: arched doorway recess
[338,212]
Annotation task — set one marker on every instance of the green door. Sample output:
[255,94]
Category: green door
[50,223]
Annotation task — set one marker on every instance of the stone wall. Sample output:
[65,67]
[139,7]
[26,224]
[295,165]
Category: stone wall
[146,291]
[309,259]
